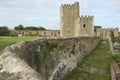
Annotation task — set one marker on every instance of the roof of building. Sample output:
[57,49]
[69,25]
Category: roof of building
[97,26]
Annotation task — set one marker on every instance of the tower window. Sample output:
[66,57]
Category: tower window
[95,30]
[83,25]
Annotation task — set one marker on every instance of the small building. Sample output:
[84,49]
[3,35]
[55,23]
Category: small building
[42,33]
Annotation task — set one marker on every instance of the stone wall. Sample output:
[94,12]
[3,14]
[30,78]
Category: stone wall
[106,32]
[20,59]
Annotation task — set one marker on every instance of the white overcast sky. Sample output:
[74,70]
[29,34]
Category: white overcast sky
[46,13]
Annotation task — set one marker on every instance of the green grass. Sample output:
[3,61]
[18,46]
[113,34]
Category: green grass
[90,76]
[16,39]
[98,58]
[8,40]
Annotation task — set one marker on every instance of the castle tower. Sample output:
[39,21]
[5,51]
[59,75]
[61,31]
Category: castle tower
[69,14]
[86,27]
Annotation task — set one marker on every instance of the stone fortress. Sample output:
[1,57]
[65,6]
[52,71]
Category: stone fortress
[74,25]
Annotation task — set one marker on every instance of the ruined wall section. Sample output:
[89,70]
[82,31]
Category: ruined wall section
[69,14]
[115,31]
[86,26]
[106,32]
[97,31]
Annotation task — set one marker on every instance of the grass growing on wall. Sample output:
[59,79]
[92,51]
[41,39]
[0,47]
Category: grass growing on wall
[50,46]
[44,57]
[38,60]
[99,58]
[116,57]
[8,40]
[116,39]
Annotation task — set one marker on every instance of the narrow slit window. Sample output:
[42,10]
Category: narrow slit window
[83,25]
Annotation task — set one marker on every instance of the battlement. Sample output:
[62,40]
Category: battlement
[86,16]
[67,5]
[70,5]
[110,29]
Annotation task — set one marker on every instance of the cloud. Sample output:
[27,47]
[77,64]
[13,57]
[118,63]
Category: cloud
[47,12]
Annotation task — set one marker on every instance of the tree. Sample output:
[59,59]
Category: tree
[4,31]
[19,27]
[31,28]
[34,28]
[41,28]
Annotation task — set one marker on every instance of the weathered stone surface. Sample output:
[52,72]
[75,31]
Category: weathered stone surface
[14,68]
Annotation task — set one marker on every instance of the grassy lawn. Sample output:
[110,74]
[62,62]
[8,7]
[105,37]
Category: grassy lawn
[98,58]
[8,40]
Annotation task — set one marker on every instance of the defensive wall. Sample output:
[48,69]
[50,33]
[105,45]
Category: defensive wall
[20,60]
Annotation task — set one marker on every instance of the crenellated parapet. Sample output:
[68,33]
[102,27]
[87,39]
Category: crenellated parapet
[86,17]
[106,32]
[70,5]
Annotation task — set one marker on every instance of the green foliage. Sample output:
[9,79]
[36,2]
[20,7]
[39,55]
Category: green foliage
[47,72]
[73,75]
[61,47]
[4,31]
[41,28]
[31,28]
[116,57]
[116,39]
[19,27]
[50,47]
[38,60]
[13,34]
[34,28]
